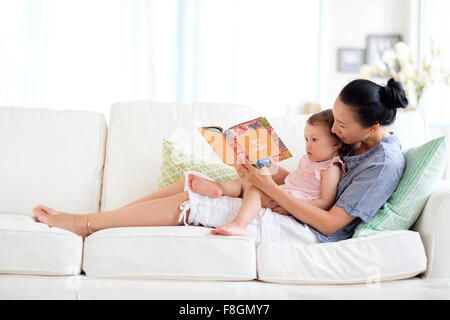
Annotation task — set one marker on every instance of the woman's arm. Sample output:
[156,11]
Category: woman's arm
[325,221]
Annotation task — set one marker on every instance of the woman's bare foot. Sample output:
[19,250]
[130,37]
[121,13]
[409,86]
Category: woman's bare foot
[76,223]
[231,229]
[204,186]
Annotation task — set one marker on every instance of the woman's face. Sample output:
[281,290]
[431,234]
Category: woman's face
[346,126]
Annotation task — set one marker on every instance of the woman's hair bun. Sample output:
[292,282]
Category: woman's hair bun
[374,103]
[394,95]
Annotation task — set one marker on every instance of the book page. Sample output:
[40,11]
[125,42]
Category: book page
[257,142]
[218,143]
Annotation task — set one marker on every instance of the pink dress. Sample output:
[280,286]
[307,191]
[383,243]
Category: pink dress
[305,181]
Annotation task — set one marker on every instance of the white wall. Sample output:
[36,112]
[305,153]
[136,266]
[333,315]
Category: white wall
[346,25]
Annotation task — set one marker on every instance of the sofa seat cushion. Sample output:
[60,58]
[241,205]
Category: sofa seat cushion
[30,247]
[389,255]
[172,252]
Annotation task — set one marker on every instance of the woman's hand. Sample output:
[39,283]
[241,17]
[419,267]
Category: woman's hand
[260,178]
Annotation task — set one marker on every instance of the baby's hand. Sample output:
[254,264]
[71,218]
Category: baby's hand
[273,204]
[281,210]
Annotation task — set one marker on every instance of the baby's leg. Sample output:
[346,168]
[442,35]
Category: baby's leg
[232,188]
[251,205]
[267,201]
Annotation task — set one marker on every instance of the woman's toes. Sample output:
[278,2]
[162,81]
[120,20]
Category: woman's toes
[44,219]
[41,216]
[37,211]
[35,215]
[48,210]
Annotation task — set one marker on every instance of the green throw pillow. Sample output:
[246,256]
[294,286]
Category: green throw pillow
[176,162]
[424,168]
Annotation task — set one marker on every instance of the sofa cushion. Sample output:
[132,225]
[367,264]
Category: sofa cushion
[176,162]
[434,225]
[51,157]
[385,256]
[29,247]
[175,252]
[424,168]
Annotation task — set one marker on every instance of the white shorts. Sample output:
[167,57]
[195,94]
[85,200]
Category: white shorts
[267,226]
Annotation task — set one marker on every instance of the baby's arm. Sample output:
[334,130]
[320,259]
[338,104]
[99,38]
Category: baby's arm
[330,181]
[278,173]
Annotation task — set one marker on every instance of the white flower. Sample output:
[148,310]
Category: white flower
[434,47]
[380,68]
[434,71]
[402,77]
[400,64]
[388,57]
[424,79]
[410,71]
[365,71]
[402,50]
[426,62]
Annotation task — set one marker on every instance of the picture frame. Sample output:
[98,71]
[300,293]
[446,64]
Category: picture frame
[377,44]
[350,59]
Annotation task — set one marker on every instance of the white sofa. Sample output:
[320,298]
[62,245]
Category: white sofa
[74,162]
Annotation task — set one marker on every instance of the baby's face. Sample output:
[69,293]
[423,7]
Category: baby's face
[319,143]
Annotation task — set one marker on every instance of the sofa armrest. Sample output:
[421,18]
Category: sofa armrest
[434,228]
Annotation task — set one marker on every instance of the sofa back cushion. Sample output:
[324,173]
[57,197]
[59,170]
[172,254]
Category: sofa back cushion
[135,137]
[51,157]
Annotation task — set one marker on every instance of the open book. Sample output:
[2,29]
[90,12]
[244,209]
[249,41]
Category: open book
[254,141]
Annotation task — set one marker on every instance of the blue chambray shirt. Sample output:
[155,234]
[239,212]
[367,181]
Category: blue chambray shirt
[370,180]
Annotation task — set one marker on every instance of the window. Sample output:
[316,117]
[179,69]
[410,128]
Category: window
[88,54]
[435,25]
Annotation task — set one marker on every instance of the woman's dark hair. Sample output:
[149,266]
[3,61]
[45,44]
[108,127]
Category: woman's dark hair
[374,103]
[326,118]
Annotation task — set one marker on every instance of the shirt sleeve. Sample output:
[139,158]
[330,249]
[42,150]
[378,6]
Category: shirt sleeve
[369,190]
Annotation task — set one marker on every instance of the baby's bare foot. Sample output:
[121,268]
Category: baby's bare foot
[204,186]
[76,223]
[230,229]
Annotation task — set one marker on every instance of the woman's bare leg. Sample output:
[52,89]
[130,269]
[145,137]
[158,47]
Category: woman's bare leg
[174,188]
[157,212]
[251,205]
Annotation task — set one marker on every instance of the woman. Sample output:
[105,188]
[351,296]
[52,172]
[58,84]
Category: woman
[375,165]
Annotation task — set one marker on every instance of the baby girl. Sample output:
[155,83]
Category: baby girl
[315,180]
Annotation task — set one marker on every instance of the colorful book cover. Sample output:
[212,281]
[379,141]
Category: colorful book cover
[254,140]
